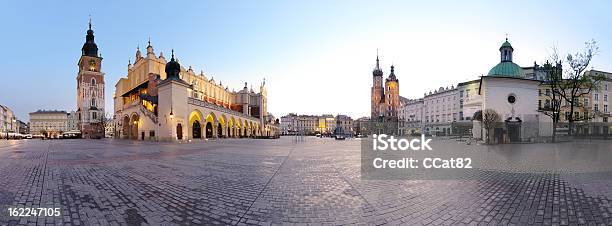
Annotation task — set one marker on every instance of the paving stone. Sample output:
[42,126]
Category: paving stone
[273,182]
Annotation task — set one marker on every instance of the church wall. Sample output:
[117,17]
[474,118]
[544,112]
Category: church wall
[496,91]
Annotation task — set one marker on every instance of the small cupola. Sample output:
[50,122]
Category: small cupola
[173,68]
[506,51]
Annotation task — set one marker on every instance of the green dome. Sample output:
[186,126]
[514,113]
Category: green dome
[506,44]
[506,69]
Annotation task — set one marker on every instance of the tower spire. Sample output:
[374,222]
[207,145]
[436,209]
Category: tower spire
[89,47]
[377,71]
[377,66]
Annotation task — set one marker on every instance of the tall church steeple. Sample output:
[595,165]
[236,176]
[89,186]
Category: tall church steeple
[377,71]
[377,93]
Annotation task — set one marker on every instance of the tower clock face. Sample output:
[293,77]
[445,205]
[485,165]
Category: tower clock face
[92,65]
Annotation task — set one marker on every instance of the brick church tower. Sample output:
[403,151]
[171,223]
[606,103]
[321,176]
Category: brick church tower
[378,93]
[90,90]
[385,101]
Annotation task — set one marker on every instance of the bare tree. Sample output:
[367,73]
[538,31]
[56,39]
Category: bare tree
[574,83]
[489,119]
[552,82]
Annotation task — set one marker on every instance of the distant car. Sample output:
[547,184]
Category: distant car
[340,137]
[318,135]
[28,136]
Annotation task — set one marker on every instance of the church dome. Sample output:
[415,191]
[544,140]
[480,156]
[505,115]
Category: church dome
[506,44]
[506,69]
[173,68]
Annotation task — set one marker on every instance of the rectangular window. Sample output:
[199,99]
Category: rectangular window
[606,108]
[596,107]
[605,97]
[547,92]
[596,96]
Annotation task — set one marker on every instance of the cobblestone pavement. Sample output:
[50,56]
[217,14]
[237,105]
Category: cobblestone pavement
[235,182]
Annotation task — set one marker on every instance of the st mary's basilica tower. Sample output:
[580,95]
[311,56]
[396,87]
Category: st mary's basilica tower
[385,101]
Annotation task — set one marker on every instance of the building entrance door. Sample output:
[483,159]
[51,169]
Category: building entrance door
[179,131]
[197,130]
[514,131]
[209,130]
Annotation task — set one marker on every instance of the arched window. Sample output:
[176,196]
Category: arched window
[93,81]
[93,102]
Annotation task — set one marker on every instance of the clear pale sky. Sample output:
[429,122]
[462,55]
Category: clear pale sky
[317,56]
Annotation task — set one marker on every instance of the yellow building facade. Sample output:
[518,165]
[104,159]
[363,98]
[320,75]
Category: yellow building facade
[151,104]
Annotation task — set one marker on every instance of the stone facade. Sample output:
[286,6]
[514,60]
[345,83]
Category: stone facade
[90,90]
[8,121]
[152,104]
[48,123]
[325,124]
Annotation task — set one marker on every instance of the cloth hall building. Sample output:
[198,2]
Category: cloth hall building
[163,101]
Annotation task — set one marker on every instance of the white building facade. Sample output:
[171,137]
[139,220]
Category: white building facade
[8,121]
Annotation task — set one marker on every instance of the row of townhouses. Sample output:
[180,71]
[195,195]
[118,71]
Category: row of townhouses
[316,124]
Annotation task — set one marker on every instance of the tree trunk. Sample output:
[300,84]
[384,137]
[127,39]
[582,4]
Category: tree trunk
[570,119]
[554,132]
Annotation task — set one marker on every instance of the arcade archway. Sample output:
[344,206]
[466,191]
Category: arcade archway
[209,130]
[134,126]
[196,129]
